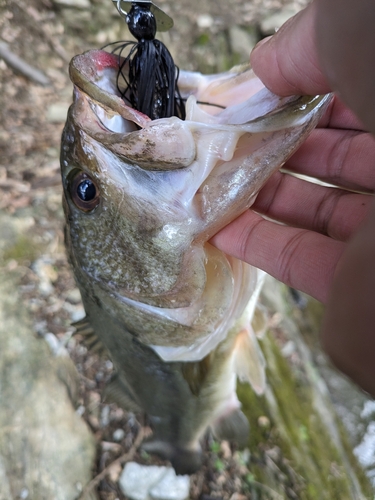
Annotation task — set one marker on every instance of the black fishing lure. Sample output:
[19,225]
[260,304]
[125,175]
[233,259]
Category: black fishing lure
[147,76]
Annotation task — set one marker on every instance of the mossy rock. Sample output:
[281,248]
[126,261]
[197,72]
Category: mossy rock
[299,448]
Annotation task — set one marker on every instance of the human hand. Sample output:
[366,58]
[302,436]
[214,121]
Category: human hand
[327,247]
[319,221]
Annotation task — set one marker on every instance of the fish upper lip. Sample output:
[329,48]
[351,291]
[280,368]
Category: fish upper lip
[94,73]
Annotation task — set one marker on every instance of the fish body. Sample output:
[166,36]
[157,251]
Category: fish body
[142,198]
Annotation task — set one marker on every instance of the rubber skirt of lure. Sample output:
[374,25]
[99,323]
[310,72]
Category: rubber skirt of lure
[151,84]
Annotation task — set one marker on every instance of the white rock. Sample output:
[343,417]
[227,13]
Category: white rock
[78,4]
[74,296]
[152,482]
[205,21]
[365,451]
[136,480]
[56,113]
[104,416]
[77,313]
[368,409]
[119,434]
[171,487]
[24,493]
[55,345]
[288,349]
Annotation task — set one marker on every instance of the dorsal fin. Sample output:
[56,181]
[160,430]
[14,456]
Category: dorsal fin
[89,337]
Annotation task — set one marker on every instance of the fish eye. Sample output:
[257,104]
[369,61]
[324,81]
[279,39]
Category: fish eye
[84,191]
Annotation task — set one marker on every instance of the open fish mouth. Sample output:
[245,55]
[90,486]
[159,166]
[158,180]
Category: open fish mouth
[233,107]
[183,180]
[236,97]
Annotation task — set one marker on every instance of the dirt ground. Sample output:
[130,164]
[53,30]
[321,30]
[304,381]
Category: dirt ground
[46,35]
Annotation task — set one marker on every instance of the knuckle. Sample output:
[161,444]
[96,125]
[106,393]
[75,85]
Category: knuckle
[325,210]
[338,157]
[289,254]
[245,243]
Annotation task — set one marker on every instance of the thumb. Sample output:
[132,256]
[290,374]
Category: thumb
[346,45]
[287,63]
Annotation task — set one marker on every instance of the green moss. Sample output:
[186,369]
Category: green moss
[203,39]
[215,447]
[23,250]
[295,454]
[219,465]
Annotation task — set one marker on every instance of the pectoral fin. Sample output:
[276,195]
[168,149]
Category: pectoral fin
[259,322]
[249,361]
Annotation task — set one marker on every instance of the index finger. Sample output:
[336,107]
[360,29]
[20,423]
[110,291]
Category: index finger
[302,259]
[341,158]
[339,116]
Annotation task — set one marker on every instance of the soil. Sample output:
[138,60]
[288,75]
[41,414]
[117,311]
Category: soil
[46,35]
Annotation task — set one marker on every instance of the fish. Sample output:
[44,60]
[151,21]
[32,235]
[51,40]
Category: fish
[142,198]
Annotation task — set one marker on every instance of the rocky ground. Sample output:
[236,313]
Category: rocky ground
[209,35]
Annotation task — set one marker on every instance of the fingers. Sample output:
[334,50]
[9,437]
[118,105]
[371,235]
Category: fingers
[302,259]
[342,158]
[333,212]
[345,38]
[287,62]
[348,329]
[338,115]
[330,45]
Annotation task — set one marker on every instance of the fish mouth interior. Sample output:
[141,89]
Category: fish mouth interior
[113,122]
[107,81]
[236,97]
[110,118]
[112,80]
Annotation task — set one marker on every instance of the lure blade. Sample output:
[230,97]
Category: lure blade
[163,21]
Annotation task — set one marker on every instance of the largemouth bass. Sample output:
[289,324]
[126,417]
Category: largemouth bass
[142,199]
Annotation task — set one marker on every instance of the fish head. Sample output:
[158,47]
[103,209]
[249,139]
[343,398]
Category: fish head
[142,196]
